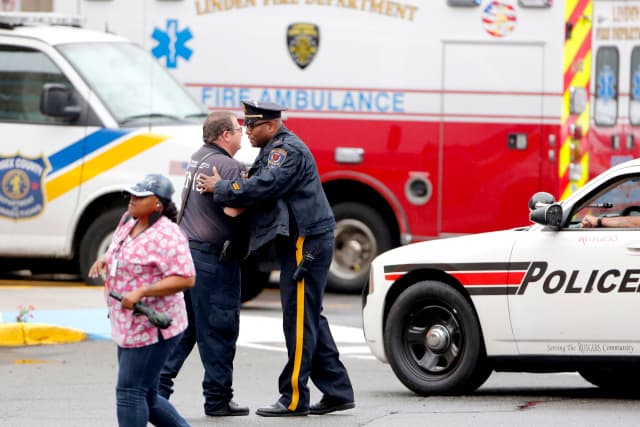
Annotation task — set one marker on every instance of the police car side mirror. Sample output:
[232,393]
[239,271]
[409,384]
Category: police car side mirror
[56,101]
[550,215]
[541,199]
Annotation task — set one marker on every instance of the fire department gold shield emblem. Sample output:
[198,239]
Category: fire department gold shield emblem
[303,41]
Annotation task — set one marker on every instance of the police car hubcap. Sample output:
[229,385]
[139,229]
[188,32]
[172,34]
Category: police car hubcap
[434,338]
[438,338]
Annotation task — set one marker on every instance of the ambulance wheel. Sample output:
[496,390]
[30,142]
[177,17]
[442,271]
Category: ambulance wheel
[96,241]
[614,379]
[361,234]
[433,341]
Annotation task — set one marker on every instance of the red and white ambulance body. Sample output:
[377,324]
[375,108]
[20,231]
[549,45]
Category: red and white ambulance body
[418,113]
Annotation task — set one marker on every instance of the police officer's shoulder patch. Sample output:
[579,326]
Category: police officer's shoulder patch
[276,157]
[235,185]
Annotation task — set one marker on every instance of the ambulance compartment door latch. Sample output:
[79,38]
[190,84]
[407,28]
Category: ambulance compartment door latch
[351,155]
[517,141]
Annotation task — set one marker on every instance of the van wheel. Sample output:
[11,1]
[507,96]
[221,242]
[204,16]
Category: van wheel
[433,341]
[361,234]
[95,242]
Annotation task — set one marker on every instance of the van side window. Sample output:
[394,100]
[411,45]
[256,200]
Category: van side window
[606,105]
[23,72]
[634,92]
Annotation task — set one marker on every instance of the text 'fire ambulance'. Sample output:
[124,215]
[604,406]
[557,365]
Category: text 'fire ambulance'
[427,118]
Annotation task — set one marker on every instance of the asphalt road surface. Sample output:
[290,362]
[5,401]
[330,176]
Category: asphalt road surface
[73,384]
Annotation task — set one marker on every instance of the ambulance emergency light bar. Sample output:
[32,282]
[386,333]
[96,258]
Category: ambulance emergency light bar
[523,3]
[463,3]
[535,3]
[16,19]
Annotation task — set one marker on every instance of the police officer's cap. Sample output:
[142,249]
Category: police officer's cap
[256,110]
[152,184]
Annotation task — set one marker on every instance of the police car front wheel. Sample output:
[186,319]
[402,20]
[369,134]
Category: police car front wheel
[433,340]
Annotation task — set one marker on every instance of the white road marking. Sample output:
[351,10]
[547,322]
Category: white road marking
[265,333]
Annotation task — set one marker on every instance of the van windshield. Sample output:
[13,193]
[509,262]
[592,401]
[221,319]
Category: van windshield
[133,86]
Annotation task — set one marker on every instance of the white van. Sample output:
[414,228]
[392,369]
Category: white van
[82,114]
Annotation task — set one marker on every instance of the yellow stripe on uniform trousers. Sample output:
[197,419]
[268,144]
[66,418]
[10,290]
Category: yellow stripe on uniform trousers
[297,361]
[101,163]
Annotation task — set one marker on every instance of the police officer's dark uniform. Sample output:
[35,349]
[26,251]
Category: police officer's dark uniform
[213,304]
[290,205]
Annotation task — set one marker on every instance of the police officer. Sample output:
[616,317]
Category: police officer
[213,305]
[289,205]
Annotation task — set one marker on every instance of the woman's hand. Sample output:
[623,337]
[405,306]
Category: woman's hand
[131,298]
[167,286]
[99,268]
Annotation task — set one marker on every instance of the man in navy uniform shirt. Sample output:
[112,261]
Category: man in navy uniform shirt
[288,205]
[213,305]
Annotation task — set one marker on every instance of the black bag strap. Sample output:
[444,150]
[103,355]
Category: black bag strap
[189,183]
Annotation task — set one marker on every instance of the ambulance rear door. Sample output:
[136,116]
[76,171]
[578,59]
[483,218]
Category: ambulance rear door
[491,133]
[614,135]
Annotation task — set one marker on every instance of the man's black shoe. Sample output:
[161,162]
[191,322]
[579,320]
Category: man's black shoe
[229,410]
[326,406]
[279,410]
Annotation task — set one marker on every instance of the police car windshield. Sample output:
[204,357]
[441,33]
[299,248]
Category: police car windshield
[131,83]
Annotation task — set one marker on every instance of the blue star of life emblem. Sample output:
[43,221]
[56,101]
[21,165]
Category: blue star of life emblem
[606,84]
[635,86]
[172,43]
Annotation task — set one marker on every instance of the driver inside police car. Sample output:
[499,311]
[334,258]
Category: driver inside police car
[592,221]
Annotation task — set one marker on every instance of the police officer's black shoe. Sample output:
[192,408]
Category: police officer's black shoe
[229,410]
[279,410]
[327,405]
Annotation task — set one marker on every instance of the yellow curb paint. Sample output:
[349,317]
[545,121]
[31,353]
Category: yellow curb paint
[15,284]
[30,362]
[39,333]
[17,334]
[11,334]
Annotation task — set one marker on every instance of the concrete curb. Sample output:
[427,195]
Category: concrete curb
[19,334]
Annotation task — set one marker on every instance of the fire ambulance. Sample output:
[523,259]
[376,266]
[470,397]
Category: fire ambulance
[427,118]
[75,132]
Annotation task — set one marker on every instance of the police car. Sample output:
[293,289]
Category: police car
[550,297]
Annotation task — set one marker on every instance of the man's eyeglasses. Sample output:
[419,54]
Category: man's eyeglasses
[238,129]
[252,126]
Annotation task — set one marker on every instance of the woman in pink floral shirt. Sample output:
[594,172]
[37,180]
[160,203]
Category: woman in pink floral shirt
[149,261]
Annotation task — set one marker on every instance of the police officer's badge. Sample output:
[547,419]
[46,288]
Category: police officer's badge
[303,41]
[21,186]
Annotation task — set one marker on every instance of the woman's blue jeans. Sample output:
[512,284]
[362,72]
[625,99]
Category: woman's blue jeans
[137,395]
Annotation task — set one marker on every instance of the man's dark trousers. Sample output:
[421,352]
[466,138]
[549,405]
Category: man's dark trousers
[302,304]
[215,300]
